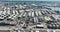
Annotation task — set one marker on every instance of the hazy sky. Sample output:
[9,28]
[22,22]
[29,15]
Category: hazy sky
[31,0]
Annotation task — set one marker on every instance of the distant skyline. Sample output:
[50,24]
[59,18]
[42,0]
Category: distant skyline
[29,0]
